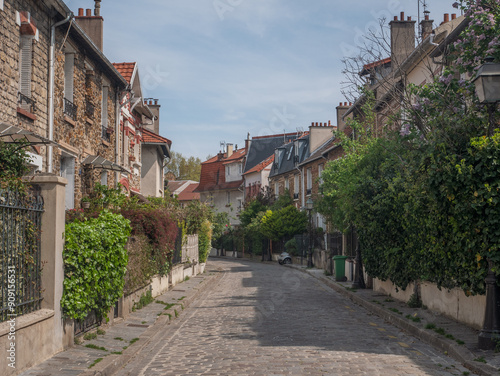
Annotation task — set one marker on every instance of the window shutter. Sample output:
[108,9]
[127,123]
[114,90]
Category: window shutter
[26,60]
[69,64]
[104,109]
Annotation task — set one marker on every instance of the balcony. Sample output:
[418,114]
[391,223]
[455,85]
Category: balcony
[26,103]
[70,109]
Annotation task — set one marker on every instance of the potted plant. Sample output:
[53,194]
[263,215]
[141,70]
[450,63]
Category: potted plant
[85,202]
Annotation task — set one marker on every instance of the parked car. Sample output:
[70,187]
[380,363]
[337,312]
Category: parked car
[285,258]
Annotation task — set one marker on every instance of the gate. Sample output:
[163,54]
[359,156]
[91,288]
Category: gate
[20,252]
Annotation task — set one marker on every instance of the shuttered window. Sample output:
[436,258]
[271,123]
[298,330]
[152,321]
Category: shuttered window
[104,107]
[69,67]
[25,63]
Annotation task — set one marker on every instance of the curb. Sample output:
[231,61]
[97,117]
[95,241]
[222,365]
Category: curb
[112,363]
[459,353]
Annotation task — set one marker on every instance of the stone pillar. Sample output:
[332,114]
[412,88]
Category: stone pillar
[53,190]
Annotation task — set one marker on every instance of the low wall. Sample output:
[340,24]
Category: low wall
[453,303]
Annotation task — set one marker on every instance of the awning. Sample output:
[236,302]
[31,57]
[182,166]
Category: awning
[100,162]
[16,135]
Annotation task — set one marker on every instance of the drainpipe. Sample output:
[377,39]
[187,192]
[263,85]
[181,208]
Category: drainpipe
[51,84]
[117,133]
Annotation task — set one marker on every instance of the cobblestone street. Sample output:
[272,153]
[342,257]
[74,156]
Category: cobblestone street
[266,319]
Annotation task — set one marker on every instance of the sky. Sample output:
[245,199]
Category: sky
[224,68]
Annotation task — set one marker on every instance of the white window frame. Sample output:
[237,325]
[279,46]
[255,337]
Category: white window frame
[287,184]
[296,184]
[276,189]
[309,178]
[68,172]
[104,106]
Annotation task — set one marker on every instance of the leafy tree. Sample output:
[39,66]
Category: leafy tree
[184,168]
[13,164]
[284,222]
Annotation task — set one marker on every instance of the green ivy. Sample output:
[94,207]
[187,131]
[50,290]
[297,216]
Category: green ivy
[204,240]
[95,262]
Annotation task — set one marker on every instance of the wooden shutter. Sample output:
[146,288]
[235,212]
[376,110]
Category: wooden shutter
[69,66]
[25,63]
[104,110]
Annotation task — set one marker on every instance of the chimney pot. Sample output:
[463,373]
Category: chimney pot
[409,18]
[150,101]
[316,123]
[80,12]
[395,18]
[89,13]
[446,17]
[453,16]
[345,104]
[402,16]
[340,104]
[427,17]
[156,102]
[350,104]
[329,122]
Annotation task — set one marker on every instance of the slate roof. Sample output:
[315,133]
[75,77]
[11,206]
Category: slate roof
[285,160]
[263,146]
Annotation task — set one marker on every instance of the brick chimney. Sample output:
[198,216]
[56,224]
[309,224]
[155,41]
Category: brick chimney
[341,110]
[229,150]
[319,134]
[155,109]
[92,24]
[402,39]
[426,27]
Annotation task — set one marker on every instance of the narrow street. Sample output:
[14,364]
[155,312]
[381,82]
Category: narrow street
[264,319]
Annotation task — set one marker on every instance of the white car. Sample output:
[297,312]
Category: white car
[285,258]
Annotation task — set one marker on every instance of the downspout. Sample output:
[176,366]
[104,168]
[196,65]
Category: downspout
[51,84]
[117,133]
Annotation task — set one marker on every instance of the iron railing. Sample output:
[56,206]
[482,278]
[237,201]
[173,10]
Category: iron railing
[20,252]
[26,103]
[70,109]
[90,322]
[89,109]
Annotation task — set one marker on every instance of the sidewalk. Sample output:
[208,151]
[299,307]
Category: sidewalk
[457,340]
[121,341]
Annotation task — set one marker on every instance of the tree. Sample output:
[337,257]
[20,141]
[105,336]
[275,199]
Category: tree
[284,222]
[183,168]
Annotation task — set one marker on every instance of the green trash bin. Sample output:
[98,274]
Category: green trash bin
[340,268]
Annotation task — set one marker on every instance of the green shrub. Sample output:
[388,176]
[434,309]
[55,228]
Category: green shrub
[292,247]
[204,240]
[95,261]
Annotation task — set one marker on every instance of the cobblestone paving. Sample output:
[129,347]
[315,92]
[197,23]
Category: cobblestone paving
[267,320]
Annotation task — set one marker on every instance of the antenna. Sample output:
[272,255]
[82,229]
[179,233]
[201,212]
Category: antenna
[223,146]
[426,12]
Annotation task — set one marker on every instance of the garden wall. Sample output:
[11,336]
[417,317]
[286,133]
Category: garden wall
[453,303]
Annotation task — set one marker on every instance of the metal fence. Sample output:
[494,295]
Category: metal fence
[20,253]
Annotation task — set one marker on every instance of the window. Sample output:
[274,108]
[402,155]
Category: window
[239,205]
[25,63]
[276,189]
[69,69]
[104,177]
[104,112]
[320,172]
[296,186]
[68,172]
[287,183]
[309,181]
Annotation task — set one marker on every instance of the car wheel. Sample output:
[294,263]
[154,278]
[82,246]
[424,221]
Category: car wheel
[288,261]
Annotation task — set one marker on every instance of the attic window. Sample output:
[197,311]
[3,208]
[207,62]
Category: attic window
[290,153]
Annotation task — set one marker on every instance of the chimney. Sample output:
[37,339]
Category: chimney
[92,25]
[402,40]
[341,110]
[248,141]
[318,135]
[453,16]
[446,18]
[229,150]
[155,109]
[426,27]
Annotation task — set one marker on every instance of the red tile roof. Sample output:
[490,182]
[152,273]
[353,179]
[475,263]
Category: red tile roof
[261,165]
[236,156]
[213,173]
[188,193]
[125,69]
[376,64]
[152,138]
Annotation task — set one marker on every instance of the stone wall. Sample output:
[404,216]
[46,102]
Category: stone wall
[10,37]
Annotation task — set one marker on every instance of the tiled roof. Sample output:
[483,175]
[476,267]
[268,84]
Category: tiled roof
[175,185]
[153,138]
[236,156]
[376,63]
[261,165]
[125,69]
[188,193]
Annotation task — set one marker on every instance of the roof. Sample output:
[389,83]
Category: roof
[172,186]
[236,156]
[370,66]
[99,162]
[189,194]
[262,147]
[322,150]
[127,70]
[262,165]
[151,138]
[288,157]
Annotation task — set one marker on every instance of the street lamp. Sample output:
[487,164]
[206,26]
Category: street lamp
[309,208]
[487,82]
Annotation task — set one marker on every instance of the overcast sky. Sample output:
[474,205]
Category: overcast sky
[225,68]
